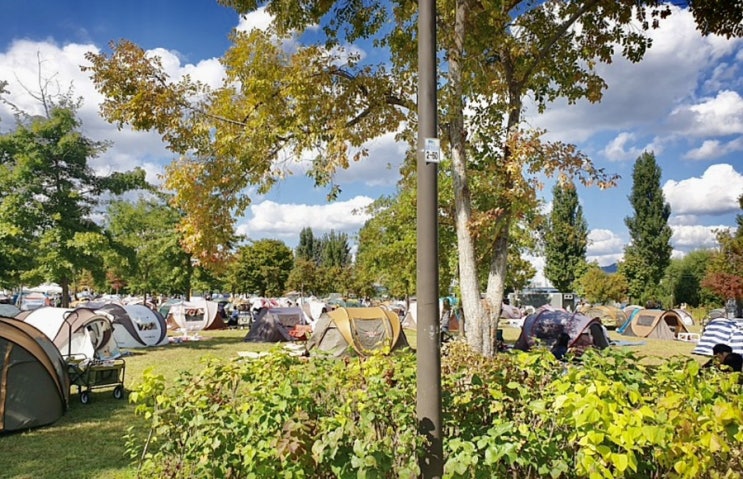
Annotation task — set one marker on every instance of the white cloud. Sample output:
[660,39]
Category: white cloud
[621,148]
[683,220]
[711,149]
[693,237]
[539,280]
[604,246]
[708,150]
[602,241]
[382,165]
[615,149]
[285,221]
[210,71]
[258,19]
[724,74]
[716,192]
[60,69]
[718,116]
[61,66]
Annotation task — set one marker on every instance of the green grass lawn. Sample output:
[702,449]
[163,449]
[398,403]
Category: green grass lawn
[87,443]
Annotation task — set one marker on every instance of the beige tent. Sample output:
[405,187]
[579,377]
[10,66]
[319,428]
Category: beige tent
[656,323]
[410,320]
[34,385]
[362,331]
[610,316]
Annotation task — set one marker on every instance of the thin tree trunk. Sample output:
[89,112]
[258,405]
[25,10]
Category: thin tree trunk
[497,281]
[65,299]
[495,290]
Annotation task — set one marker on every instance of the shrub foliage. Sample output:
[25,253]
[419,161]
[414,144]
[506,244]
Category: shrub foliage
[519,415]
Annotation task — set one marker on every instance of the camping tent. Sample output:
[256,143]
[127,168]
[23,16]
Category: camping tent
[195,315]
[360,330]
[630,312]
[655,323]
[685,316]
[610,316]
[34,386]
[135,325]
[76,332]
[508,311]
[410,319]
[272,325]
[717,313]
[546,324]
[630,308]
[32,300]
[8,310]
[721,331]
[313,309]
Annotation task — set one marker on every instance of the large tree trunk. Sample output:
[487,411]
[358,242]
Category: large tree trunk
[468,283]
[469,286]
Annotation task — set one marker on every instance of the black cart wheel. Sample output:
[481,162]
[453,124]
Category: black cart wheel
[85,397]
[119,392]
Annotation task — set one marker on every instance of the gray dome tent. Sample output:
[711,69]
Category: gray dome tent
[546,324]
[273,325]
[34,385]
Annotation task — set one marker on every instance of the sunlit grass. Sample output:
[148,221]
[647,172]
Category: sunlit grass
[88,441]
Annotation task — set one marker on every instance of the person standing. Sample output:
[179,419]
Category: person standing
[445,315]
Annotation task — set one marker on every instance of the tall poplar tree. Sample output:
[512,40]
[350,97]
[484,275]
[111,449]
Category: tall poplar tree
[308,246]
[335,250]
[648,254]
[565,238]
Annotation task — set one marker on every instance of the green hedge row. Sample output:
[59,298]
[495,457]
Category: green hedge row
[520,415]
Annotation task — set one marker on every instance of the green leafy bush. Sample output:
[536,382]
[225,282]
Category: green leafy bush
[519,415]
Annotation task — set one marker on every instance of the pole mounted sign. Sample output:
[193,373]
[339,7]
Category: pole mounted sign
[432,150]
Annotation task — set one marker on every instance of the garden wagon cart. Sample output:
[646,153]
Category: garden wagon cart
[89,374]
[92,363]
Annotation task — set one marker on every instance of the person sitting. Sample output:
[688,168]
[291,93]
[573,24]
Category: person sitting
[560,348]
[719,352]
[233,319]
[733,361]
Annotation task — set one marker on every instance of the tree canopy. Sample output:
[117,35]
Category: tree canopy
[597,286]
[50,193]
[262,267]
[149,257]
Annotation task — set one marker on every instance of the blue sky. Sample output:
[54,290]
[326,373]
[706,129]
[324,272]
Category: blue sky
[684,102]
